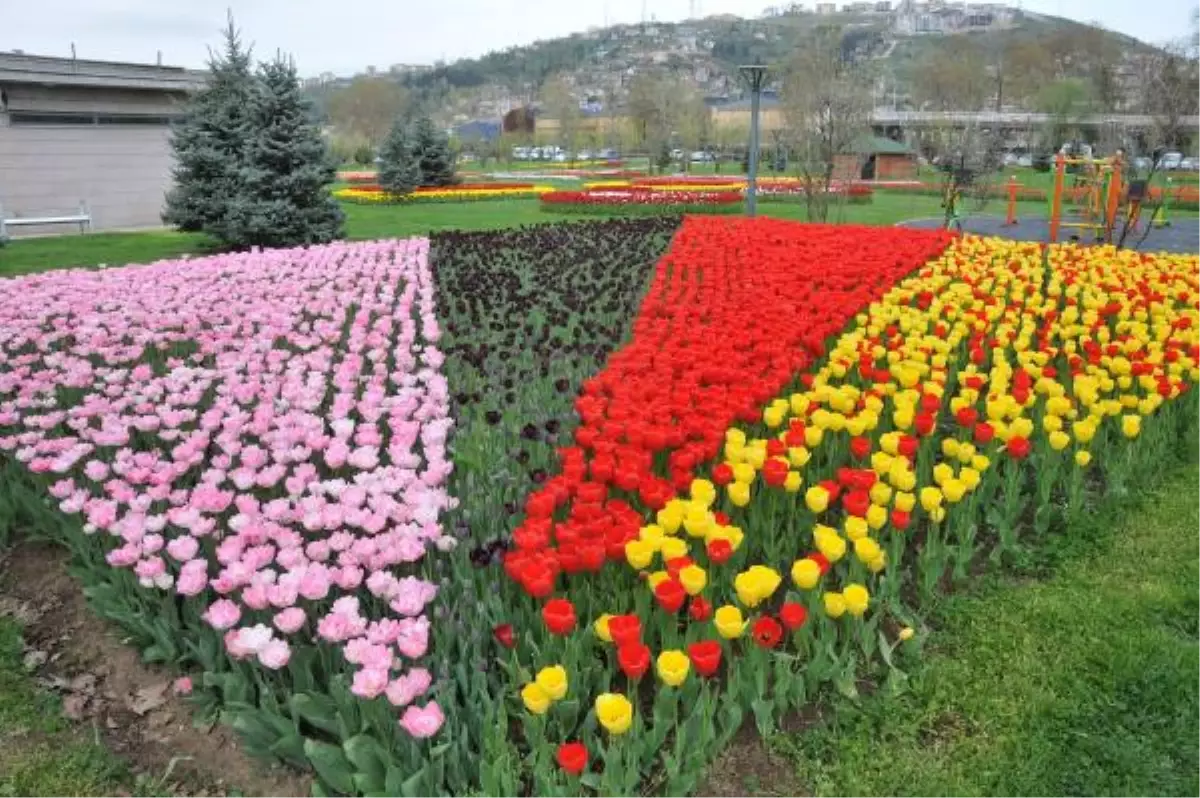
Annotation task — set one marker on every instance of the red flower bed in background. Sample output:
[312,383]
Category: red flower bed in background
[643,200]
[736,309]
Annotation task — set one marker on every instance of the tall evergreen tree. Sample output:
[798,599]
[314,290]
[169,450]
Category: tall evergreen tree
[286,171]
[209,143]
[433,152]
[399,169]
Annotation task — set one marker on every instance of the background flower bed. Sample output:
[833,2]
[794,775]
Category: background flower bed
[641,201]
[372,194]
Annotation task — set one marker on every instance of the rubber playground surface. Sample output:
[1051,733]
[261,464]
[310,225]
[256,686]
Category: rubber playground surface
[1182,235]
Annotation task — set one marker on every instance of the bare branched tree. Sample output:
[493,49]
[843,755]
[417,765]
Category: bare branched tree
[1169,78]
[826,101]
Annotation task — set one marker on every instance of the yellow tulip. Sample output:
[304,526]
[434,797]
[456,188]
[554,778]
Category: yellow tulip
[792,482]
[855,527]
[866,549]
[931,498]
[829,543]
[954,490]
[652,534]
[744,473]
[1131,426]
[703,491]
[536,699]
[693,578]
[878,564]
[907,633]
[673,548]
[806,573]
[756,584]
[798,456]
[655,579]
[1059,440]
[773,416]
[817,499]
[671,517]
[1082,458]
[639,554]
[673,667]
[835,604]
[553,681]
[739,493]
[697,520]
[729,622]
[600,627]
[857,599]
[615,712]
[905,502]
[877,516]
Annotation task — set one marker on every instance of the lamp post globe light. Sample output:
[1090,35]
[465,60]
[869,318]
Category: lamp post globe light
[754,75]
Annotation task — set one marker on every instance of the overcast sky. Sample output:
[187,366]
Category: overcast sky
[345,36]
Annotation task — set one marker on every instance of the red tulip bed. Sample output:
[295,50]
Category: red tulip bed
[631,201]
[559,509]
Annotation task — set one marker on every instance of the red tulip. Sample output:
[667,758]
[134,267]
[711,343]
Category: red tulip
[967,417]
[860,447]
[624,629]
[793,614]
[633,659]
[719,551]
[504,635]
[984,433]
[821,560]
[1018,448]
[572,757]
[705,656]
[559,615]
[722,474]
[900,518]
[699,609]
[670,594]
[767,632]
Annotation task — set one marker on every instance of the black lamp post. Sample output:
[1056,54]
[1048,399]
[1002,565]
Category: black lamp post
[754,74]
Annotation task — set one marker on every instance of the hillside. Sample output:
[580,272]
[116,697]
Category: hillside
[598,64]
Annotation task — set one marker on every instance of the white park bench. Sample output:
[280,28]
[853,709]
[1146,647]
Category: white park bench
[82,218]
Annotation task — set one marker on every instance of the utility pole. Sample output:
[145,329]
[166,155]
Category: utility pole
[754,75]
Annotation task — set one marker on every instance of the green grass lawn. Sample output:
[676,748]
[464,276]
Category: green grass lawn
[384,221]
[1083,684]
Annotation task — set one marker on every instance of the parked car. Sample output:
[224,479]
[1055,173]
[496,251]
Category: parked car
[1142,164]
[1170,161]
[1190,164]
[701,156]
[1025,160]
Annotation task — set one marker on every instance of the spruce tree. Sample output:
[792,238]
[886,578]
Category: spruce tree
[433,153]
[399,169]
[209,143]
[286,171]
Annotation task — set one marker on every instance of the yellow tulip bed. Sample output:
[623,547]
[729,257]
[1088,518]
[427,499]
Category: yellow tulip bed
[968,414]
[465,192]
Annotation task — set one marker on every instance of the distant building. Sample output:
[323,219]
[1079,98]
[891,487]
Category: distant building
[95,132]
[826,8]
[876,158]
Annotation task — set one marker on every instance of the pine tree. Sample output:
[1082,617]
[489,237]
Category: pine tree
[287,169]
[399,169]
[433,152]
[210,142]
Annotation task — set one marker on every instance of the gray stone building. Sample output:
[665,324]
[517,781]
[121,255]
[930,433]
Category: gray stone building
[90,132]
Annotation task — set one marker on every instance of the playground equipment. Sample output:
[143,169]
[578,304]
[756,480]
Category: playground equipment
[1097,192]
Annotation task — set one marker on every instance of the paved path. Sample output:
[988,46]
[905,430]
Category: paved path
[1183,235]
